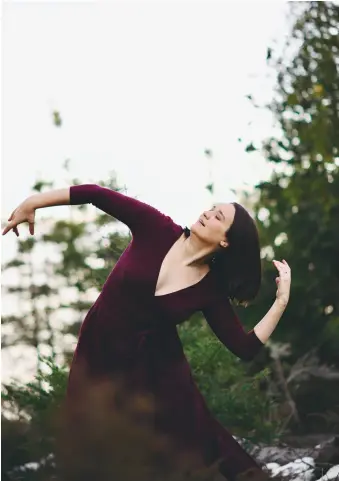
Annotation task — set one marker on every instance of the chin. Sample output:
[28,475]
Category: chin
[196,228]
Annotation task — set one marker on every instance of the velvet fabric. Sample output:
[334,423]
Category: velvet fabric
[132,333]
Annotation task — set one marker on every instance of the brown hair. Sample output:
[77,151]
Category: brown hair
[238,267]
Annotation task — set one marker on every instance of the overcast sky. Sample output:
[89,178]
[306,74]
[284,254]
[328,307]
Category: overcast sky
[142,88]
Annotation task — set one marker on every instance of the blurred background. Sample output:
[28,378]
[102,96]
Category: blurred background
[179,104]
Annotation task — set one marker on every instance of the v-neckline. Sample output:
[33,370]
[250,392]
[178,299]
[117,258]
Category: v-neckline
[159,270]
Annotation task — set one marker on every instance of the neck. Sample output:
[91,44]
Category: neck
[196,252]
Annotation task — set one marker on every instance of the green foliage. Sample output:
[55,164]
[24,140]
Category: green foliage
[298,210]
[108,442]
[238,399]
[31,435]
[46,391]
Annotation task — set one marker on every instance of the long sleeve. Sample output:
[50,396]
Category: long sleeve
[226,325]
[135,214]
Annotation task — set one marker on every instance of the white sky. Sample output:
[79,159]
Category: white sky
[143,88]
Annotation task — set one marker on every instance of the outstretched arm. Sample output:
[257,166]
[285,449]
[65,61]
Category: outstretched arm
[134,213]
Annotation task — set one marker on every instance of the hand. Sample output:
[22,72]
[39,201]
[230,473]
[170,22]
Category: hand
[25,212]
[283,281]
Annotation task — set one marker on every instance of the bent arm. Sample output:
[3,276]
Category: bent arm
[226,325]
[269,322]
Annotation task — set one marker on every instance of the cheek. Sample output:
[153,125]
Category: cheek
[216,228]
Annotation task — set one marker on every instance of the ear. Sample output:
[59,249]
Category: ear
[224,244]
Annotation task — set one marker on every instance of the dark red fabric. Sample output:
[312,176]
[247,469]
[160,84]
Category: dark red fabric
[132,332]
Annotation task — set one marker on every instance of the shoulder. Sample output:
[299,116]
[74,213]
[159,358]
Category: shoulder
[159,232]
[160,222]
[165,229]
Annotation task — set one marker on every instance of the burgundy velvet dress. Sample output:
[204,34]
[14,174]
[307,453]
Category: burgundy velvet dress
[130,330]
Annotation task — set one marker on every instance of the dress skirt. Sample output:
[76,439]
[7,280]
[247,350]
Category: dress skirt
[151,364]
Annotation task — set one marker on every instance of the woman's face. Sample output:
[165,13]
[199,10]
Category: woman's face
[212,225]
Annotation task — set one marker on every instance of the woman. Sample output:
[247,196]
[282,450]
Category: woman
[165,275]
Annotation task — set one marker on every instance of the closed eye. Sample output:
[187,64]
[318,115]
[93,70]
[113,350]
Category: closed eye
[221,217]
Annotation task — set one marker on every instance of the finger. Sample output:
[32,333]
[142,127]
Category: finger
[15,230]
[284,264]
[31,228]
[7,228]
[278,265]
[281,267]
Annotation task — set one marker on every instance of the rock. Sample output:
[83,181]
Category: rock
[299,464]
[332,473]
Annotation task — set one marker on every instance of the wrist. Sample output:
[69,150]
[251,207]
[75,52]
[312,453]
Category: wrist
[32,202]
[281,303]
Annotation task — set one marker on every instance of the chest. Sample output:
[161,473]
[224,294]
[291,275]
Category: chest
[146,276]
[173,275]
